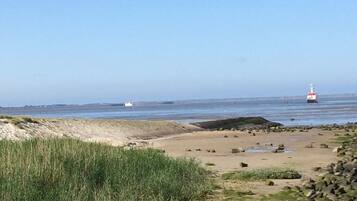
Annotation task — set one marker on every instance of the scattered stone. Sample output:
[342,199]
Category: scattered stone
[316,169]
[281,146]
[213,151]
[269,183]
[198,150]
[235,136]
[243,165]
[309,145]
[234,151]
[280,149]
[337,149]
[226,136]
[277,151]
[320,134]
[323,146]
[188,150]
[310,193]
[339,182]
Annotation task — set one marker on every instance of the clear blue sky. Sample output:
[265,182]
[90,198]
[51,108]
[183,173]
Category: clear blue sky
[87,51]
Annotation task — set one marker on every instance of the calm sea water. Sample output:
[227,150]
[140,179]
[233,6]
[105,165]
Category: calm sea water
[286,110]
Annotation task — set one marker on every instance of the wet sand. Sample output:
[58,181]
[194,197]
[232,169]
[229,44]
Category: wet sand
[297,156]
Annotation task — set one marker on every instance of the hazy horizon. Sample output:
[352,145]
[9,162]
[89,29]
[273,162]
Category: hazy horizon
[185,100]
[88,52]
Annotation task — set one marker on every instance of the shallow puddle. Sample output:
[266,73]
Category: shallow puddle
[264,149]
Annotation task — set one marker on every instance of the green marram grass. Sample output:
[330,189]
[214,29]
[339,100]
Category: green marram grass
[262,174]
[68,169]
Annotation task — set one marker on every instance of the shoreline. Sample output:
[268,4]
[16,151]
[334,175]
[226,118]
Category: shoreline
[306,149]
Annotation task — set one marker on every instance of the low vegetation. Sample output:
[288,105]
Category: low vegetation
[234,195]
[262,174]
[67,169]
[285,195]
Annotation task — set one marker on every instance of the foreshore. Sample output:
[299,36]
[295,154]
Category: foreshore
[306,149]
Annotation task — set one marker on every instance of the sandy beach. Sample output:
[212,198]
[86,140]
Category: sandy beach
[199,145]
[213,149]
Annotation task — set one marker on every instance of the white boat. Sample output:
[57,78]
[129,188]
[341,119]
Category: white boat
[311,96]
[128,104]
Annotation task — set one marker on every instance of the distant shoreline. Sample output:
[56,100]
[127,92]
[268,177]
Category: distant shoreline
[179,101]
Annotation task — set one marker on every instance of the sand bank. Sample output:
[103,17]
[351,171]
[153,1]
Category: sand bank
[115,132]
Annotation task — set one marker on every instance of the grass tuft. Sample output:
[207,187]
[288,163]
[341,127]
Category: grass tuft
[285,195]
[19,121]
[262,174]
[67,169]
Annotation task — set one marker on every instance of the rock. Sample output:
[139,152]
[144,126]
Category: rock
[243,165]
[234,151]
[188,150]
[277,151]
[281,146]
[213,151]
[226,136]
[340,190]
[337,149]
[309,193]
[320,185]
[309,145]
[316,169]
[329,189]
[269,183]
[338,167]
[350,165]
[198,149]
[309,184]
[324,146]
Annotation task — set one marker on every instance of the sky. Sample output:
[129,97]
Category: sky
[89,51]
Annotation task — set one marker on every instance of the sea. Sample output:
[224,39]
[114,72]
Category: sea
[290,111]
